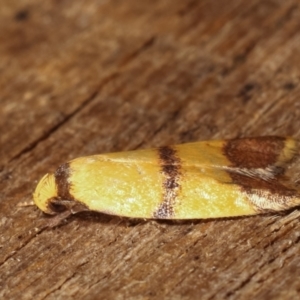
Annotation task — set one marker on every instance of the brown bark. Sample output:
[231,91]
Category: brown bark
[86,77]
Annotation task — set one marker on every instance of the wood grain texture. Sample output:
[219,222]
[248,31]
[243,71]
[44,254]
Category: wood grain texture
[85,77]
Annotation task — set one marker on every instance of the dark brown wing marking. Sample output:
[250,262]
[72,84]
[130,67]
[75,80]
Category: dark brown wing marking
[170,168]
[255,168]
[62,175]
[64,203]
[259,152]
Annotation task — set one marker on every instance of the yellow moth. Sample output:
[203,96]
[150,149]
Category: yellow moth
[208,179]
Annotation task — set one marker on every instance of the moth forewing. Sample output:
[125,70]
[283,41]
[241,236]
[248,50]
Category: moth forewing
[208,179]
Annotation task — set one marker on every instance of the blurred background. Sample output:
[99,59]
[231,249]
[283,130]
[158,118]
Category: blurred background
[86,77]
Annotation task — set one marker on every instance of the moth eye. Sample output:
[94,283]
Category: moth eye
[55,206]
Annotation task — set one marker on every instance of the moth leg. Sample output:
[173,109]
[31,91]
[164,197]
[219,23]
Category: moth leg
[57,220]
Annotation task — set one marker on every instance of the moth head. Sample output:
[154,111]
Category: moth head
[45,196]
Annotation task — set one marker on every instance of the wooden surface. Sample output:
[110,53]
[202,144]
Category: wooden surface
[86,77]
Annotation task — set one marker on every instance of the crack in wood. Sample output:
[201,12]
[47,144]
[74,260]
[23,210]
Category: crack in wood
[24,244]
[148,43]
[66,280]
[52,130]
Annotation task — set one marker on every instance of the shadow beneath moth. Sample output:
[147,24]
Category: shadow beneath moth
[208,179]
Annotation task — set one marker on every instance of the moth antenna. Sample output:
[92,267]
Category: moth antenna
[26,203]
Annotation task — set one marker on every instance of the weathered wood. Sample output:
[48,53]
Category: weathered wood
[84,77]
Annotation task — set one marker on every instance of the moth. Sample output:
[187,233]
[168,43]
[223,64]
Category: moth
[208,179]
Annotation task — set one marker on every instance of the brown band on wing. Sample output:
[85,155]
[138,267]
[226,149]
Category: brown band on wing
[249,158]
[259,152]
[58,204]
[62,182]
[170,168]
